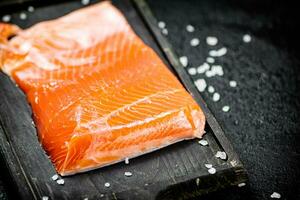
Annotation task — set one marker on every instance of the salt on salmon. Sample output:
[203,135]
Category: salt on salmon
[99,95]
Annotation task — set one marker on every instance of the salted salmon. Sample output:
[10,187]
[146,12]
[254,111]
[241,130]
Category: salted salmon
[98,94]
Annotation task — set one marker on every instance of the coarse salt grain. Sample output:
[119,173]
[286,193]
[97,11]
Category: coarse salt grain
[190,28]
[161,24]
[275,195]
[203,142]
[203,68]
[226,108]
[241,184]
[30,9]
[194,42]
[85,2]
[211,89]
[23,16]
[208,166]
[216,97]
[128,174]
[107,184]
[165,31]
[210,60]
[232,83]
[126,161]
[6,18]
[221,154]
[247,38]
[60,182]
[212,170]
[184,61]
[192,71]
[218,53]
[200,84]
[55,177]
[197,181]
[101,195]
[217,70]
[212,41]
[86,198]
[45,198]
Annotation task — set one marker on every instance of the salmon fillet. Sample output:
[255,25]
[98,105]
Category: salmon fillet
[98,94]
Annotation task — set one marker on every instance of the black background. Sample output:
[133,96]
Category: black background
[263,123]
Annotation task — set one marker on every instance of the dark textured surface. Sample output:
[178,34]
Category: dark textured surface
[263,122]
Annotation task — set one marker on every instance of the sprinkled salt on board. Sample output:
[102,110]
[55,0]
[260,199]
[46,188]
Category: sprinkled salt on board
[128,174]
[212,170]
[197,181]
[85,2]
[161,24]
[218,53]
[203,68]
[216,97]
[211,41]
[101,195]
[200,84]
[6,18]
[232,83]
[165,31]
[184,61]
[221,154]
[208,166]
[190,28]
[23,16]
[241,184]
[211,89]
[126,161]
[86,198]
[107,184]
[226,108]
[247,38]
[60,182]
[194,42]
[45,198]
[203,142]
[210,60]
[275,195]
[192,71]
[30,8]
[55,177]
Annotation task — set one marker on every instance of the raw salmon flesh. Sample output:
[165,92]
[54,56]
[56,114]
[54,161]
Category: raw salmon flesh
[98,94]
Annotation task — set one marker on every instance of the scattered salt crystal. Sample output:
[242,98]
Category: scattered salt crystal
[210,60]
[216,97]
[247,38]
[226,108]
[101,195]
[107,184]
[221,154]
[241,184]
[218,53]
[192,71]
[23,16]
[55,177]
[232,83]
[203,142]
[190,28]
[212,170]
[128,174]
[212,41]
[217,70]
[184,61]
[30,9]
[45,198]
[200,84]
[275,195]
[6,18]
[126,161]
[60,182]
[161,24]
[197,181]
[208,166]
[146,184]
[165,31]
[211,89]
[194,42]
[203,68]
[85,2]
[86,198]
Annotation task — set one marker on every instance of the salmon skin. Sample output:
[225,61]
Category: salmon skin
[98,94]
